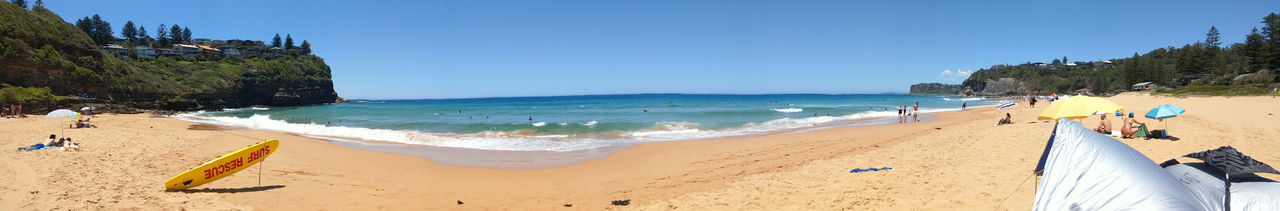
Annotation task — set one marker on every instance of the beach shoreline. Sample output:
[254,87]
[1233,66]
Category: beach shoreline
[959,159]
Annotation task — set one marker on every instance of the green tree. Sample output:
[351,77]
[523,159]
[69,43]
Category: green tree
[175,34]
[162,36]
[1211,38]
[1057,62]
[288,41]
[143,36]
[186,34]
[1271,33]
[21,3]
[129,31]
[306,47]
[39,3]
[275,42]
[85,25]
[1064,60]
[1255,51]
[101,30]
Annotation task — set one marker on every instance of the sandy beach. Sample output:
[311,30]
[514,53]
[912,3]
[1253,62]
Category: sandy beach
[958,161]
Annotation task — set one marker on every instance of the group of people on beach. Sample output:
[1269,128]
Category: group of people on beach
[912,113]
[64,144]
[1128,130]
[13,111]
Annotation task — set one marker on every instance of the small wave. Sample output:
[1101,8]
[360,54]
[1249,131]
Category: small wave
[788,110]
[963,99]
[260,108]
[590,124]
[539,124]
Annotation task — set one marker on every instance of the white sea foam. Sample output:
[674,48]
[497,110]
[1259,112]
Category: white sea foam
[526,140]
[788,110]
[260,108]
[964,99]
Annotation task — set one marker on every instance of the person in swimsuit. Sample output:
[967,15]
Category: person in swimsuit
[1128,131]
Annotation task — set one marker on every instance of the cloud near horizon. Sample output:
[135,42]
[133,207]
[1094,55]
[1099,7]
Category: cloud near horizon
[954,75]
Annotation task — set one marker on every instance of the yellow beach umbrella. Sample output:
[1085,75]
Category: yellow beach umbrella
[1079,107]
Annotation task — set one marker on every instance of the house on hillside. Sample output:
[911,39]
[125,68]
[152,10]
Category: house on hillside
[1143,86]
[229,51]
[1070,64]
[188,51]
[277,51]
[1186,80]
[116,50]
[1103,63]
[1040,64]
[219,42]
[209,50]
[166,52]
[145,52]
[252,50]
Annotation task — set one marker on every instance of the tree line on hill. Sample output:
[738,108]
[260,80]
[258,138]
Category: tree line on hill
[1206,62]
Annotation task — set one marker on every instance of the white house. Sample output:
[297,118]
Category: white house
[1143,86]
[116,50]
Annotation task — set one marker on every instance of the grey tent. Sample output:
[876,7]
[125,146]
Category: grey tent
[1085,170]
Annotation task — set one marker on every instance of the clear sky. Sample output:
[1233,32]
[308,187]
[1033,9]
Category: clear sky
[483,48]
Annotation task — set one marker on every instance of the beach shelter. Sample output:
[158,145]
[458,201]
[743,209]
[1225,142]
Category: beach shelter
[1078,107]
[1006,104]
[1085,170]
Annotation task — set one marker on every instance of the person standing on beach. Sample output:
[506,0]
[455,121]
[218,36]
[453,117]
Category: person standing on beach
[964,106]
[900,114]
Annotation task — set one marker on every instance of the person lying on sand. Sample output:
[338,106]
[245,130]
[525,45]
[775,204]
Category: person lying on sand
[1104,127]
[1008,119]
[1128,131]
[52,140]
[82,124]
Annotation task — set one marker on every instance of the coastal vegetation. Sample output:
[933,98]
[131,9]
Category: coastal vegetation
[39,49]
[1206,67]
[934,89]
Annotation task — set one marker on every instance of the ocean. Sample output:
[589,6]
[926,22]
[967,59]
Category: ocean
[569,123]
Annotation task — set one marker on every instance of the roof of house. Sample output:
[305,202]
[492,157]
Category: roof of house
[1142,84]
[185,46]
[114,46]
[207,48]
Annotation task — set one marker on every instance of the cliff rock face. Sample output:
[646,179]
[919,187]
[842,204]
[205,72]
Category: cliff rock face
[1001,87]
[39,49]
[935,89]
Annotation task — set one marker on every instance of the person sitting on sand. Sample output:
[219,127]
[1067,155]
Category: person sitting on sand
[1008,119]
[1128,131]
[1104,127]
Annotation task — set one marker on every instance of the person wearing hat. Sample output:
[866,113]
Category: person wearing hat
[1128,131]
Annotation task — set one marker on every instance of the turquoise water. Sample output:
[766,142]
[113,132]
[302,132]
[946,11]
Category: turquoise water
[565,123]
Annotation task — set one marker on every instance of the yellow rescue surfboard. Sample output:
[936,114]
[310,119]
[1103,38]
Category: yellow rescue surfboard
[223,166]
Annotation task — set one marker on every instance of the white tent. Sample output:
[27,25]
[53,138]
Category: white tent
[1085,170]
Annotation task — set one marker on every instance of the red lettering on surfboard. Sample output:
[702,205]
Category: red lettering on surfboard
[237,163]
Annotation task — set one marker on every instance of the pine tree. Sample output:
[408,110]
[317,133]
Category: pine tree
[101,30]
[175,34]
[39,3]
[306,47]
[143,36]
[21,3]
[275,42]
[129,31]
[85,25]
[1064,60]
[288,41]
[1211,38]
[186,34]
[162,35]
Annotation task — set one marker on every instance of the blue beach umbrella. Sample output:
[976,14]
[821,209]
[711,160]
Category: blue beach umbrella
[1164,112]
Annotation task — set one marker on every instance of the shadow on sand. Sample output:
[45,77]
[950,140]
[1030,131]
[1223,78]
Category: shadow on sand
[231,190]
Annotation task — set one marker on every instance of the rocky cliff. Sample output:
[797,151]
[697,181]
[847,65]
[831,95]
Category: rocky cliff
[1000,87]
[39,49]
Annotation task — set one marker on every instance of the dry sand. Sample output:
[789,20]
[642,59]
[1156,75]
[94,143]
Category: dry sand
[958,162]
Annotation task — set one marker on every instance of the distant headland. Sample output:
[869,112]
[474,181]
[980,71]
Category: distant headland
[48,63]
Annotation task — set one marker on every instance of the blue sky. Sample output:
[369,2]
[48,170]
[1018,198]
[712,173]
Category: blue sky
[483,48]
